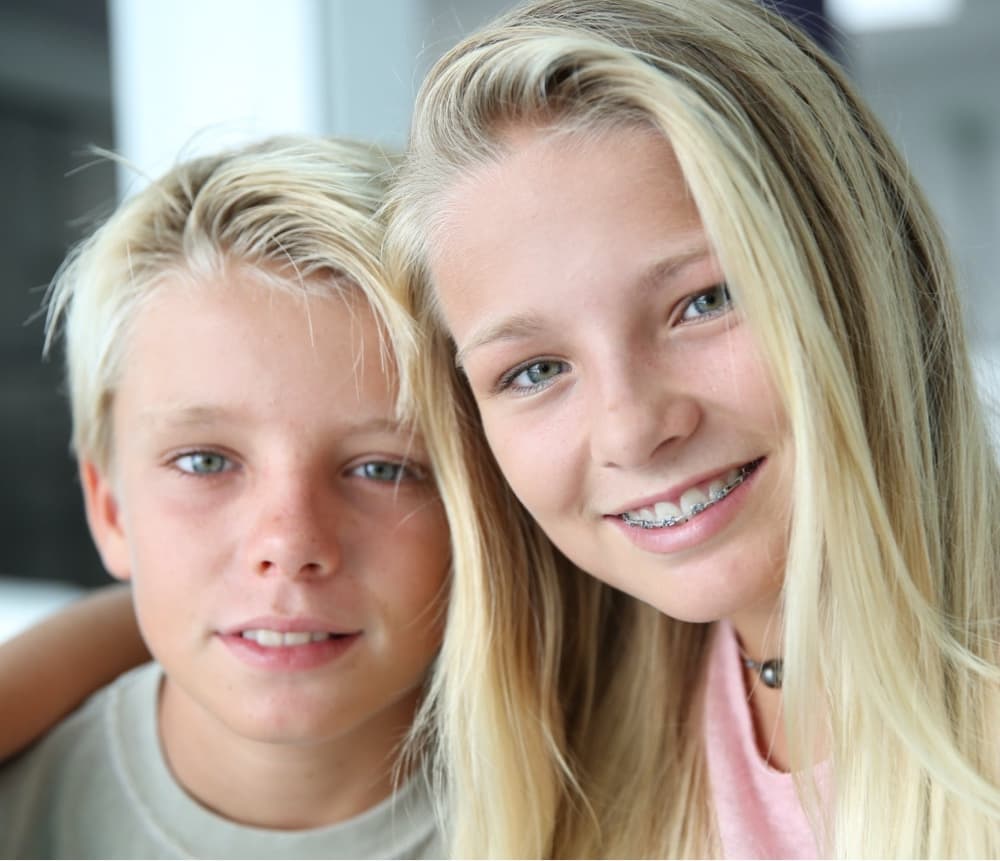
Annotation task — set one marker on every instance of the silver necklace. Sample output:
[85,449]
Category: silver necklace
[769,672]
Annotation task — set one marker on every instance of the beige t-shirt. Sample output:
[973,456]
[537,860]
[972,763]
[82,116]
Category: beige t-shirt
[98,786]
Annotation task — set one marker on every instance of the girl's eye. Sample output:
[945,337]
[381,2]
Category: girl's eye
[386,470]
[529,378]
[716,300]
[203,463]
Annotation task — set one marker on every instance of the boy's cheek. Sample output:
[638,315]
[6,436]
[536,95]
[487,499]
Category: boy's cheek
[104,517]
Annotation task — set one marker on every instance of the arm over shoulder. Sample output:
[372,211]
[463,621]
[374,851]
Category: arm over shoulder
[49,669]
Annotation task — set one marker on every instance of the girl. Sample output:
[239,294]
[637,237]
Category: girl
[672,272]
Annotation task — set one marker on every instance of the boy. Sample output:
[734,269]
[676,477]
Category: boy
[243,465]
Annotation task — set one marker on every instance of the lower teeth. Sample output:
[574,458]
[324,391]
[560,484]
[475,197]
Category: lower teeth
[698,507]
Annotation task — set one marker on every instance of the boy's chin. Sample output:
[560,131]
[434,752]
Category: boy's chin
[289,717]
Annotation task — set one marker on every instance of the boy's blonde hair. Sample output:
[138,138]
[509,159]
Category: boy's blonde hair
[565,712]
[300,211]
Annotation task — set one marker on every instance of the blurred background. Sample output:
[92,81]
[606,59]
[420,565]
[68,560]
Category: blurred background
[155,80]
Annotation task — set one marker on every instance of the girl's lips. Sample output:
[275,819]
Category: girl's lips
[675,494]
[696,530]
[692,502]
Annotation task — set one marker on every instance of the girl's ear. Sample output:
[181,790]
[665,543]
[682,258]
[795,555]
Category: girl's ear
[104,517]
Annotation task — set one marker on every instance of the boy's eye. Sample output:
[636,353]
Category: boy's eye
[385,470]
[709,303]
[203,463]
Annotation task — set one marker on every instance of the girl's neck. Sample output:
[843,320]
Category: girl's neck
[759,633]
[768,723]
[759,636]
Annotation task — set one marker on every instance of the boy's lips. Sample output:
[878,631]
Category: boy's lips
[289,643]
[288,631]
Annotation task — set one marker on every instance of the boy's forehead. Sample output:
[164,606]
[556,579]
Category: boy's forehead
[260,298]
[264,283]
[232,350]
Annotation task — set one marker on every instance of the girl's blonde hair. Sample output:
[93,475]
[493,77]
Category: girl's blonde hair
[566,713]
[302,212]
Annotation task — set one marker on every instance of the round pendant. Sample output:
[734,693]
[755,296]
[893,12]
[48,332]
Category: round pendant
[770,673]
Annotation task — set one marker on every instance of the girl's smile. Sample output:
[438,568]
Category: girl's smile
[692,502]
[667,527]
[623,396]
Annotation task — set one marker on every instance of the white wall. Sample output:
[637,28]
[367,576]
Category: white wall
[190,76]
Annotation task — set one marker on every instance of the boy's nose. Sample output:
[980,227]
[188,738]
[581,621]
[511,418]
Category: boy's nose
[295,536]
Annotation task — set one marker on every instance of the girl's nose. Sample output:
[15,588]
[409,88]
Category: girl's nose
[635,413]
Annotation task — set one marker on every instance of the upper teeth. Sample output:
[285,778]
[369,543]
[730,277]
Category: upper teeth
[693,501]
[266,637]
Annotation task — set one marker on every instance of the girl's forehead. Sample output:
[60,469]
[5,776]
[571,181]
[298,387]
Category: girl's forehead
[547,184]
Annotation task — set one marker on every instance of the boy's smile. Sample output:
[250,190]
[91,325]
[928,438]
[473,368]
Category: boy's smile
[289,643]
[287,549]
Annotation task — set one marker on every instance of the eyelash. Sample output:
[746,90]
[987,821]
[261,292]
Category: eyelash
[405,471]
[727,303]
[227,466]
[506,382]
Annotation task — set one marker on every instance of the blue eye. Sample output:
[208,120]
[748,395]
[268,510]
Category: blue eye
[386,470]
[709,303]
[534,376]
[203,463]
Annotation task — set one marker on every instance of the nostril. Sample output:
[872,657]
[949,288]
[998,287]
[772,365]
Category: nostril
[265,566]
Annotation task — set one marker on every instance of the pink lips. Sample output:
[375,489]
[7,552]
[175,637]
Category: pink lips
[270,653]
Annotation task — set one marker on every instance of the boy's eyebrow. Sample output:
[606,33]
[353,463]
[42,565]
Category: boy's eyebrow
[199,415]
[190,415]
[523,325]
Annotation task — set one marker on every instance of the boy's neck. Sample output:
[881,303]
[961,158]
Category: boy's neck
[280,786]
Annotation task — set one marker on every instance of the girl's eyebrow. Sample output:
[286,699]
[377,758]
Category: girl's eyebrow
[670,267]
[508,328]
[517,326]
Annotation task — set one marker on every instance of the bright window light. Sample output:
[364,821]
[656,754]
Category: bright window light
[863,15]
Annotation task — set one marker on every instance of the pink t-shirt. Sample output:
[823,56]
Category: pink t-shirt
[756,806]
